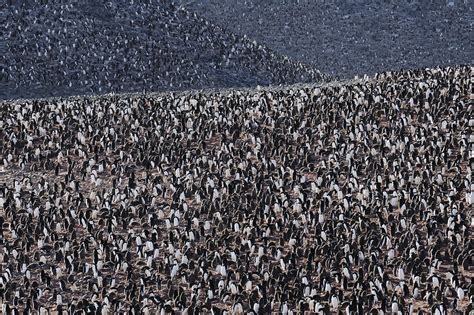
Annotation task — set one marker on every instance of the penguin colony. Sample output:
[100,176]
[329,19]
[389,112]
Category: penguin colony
[337,198]
[62,48]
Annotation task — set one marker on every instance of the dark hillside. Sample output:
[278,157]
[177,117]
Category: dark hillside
[352,37]
[123,46]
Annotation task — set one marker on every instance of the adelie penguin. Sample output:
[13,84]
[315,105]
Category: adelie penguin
[321,198]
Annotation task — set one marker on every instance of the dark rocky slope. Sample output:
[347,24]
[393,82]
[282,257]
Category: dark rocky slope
[83,47]
[352,37]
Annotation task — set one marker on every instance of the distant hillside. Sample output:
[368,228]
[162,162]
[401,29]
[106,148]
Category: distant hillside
[352,37]
[84,48]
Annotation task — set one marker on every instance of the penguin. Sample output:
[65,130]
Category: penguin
[284,200]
